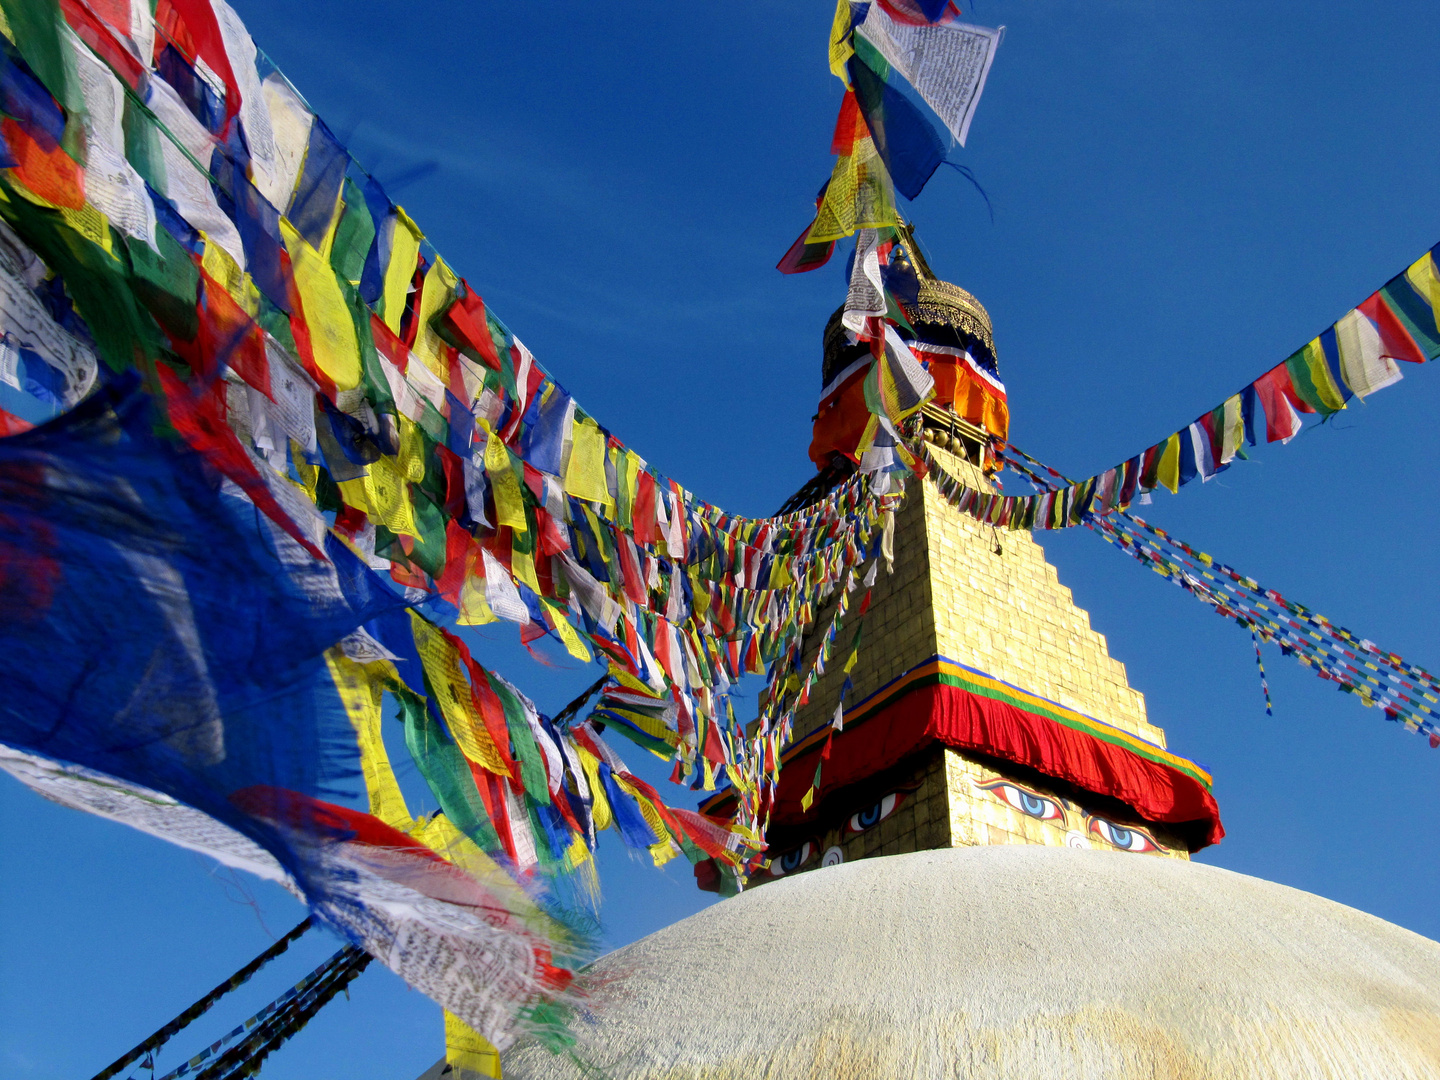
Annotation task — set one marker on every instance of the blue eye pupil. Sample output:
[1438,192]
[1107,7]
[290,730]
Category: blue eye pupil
[791,860]
[1121,837]
[869,817]
[1032,804]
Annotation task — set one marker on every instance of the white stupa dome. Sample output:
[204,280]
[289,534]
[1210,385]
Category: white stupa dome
[1016,962]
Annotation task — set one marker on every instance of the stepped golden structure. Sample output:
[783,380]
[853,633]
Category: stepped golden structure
[984,708]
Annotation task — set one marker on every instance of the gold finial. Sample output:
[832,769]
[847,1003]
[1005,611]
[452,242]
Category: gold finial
[940,303]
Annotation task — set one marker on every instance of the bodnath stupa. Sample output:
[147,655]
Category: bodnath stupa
[994,878]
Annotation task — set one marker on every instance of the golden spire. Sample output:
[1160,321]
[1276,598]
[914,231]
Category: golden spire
[941,304]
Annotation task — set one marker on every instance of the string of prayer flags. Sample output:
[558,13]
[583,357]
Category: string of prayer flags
[883,143]
[151,724]
[204,1004]
[1260,664]
[1350,360]
[428,413]
[838,722]
[236,1034]
[1405,691]
[222,270]
[240,1052]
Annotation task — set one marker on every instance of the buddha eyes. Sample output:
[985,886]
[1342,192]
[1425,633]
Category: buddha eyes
[792,860]
[1027,802]
[1121,838]
[872,816]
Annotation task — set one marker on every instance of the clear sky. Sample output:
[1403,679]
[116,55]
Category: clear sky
[1184,193]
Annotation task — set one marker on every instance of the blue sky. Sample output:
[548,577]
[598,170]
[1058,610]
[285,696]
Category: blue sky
[1184,193]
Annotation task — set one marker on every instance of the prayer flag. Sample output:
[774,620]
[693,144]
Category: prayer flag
[905,140]
[947,64]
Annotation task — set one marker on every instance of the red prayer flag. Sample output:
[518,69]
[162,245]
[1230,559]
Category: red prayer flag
[228,337]
[89,23]
[1395,341]
[190,26]
[47,171]
[389,344]
[643,513]
[486,702]
[1278,396]
[466,320]
[848,125]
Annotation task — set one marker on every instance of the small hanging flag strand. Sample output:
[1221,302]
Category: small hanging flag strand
[1260,663]
[249,1028]
[155,1041]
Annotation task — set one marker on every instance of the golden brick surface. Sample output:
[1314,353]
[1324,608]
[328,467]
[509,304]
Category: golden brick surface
[1005,614]
[989,600]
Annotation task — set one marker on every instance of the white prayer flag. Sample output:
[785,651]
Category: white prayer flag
[946,63]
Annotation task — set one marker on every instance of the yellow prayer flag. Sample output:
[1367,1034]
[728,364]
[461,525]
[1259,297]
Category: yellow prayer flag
[1232,435]
[354,494]
[571,639]
[410,459]
[404,252]
[627,680]
[360,692]
[88,222]
[388,497]
[860,196]
[226,272]
[309,474]
[451,690]
[1169,471]
[522,569]
[435,296]
[474,606]
[841,48]
[332,330]
[466,1048]
[807,799]
[504,485]
[600,805]
[780,573]
[1423,277]
[585,475]
[1320,377]
[628,466]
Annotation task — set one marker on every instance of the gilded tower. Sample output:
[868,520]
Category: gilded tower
[984,708]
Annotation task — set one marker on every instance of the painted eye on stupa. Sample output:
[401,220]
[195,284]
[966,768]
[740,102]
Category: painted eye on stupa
[1026,801]
[1121,838]
[791,860]
[872,816]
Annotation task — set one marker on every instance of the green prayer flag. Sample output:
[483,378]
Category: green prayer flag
[98,283]
[523,745]
[446,772]
[142,145]
[353,237]
[36,26]
[167,283]
[372,377]
[428,552]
